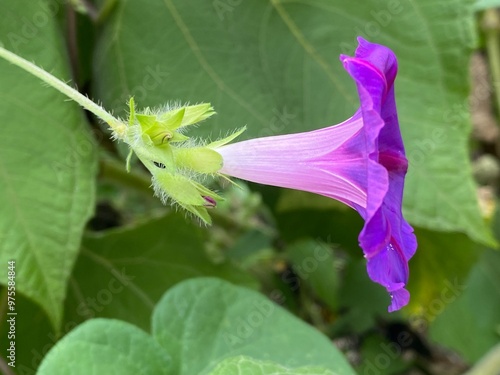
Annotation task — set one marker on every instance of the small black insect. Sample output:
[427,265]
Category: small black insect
[159,165]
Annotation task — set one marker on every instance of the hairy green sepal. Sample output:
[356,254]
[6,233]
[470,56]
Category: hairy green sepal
[178,164]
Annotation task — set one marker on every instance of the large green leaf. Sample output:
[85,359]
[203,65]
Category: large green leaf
[471,324]
[314,263]
[132,267]
[438,270]
[47,160]
[203,321]
[106,346]
[243,365]
[148,258]
[273,66]
[200,326]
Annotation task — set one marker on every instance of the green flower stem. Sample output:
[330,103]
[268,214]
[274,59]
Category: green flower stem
[116,125]
[115,171]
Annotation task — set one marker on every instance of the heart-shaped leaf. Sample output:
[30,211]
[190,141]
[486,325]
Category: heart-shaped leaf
[47,161]
[106,346]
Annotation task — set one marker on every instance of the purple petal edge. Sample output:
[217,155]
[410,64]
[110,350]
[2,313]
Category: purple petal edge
[386,239]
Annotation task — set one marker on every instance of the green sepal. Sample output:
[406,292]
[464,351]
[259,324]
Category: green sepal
[146,139]
[172,120]
[229,138]
[188,194]
[131,118]
[173,162]
[192,114]
[198,159]
[157,132]
[207,192]
[179,188]
[229,180]
[200,212]
[146,121]
[161,137]
[162,155]
[178,137]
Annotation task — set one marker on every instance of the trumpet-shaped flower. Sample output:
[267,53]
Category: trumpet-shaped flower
[360,162]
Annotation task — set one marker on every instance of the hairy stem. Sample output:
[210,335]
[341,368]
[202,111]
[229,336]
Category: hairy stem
[115,124]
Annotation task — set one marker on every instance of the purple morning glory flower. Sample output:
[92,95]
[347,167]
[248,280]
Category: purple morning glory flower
[360,162]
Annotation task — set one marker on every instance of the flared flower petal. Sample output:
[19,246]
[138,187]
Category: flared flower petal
[360,162]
